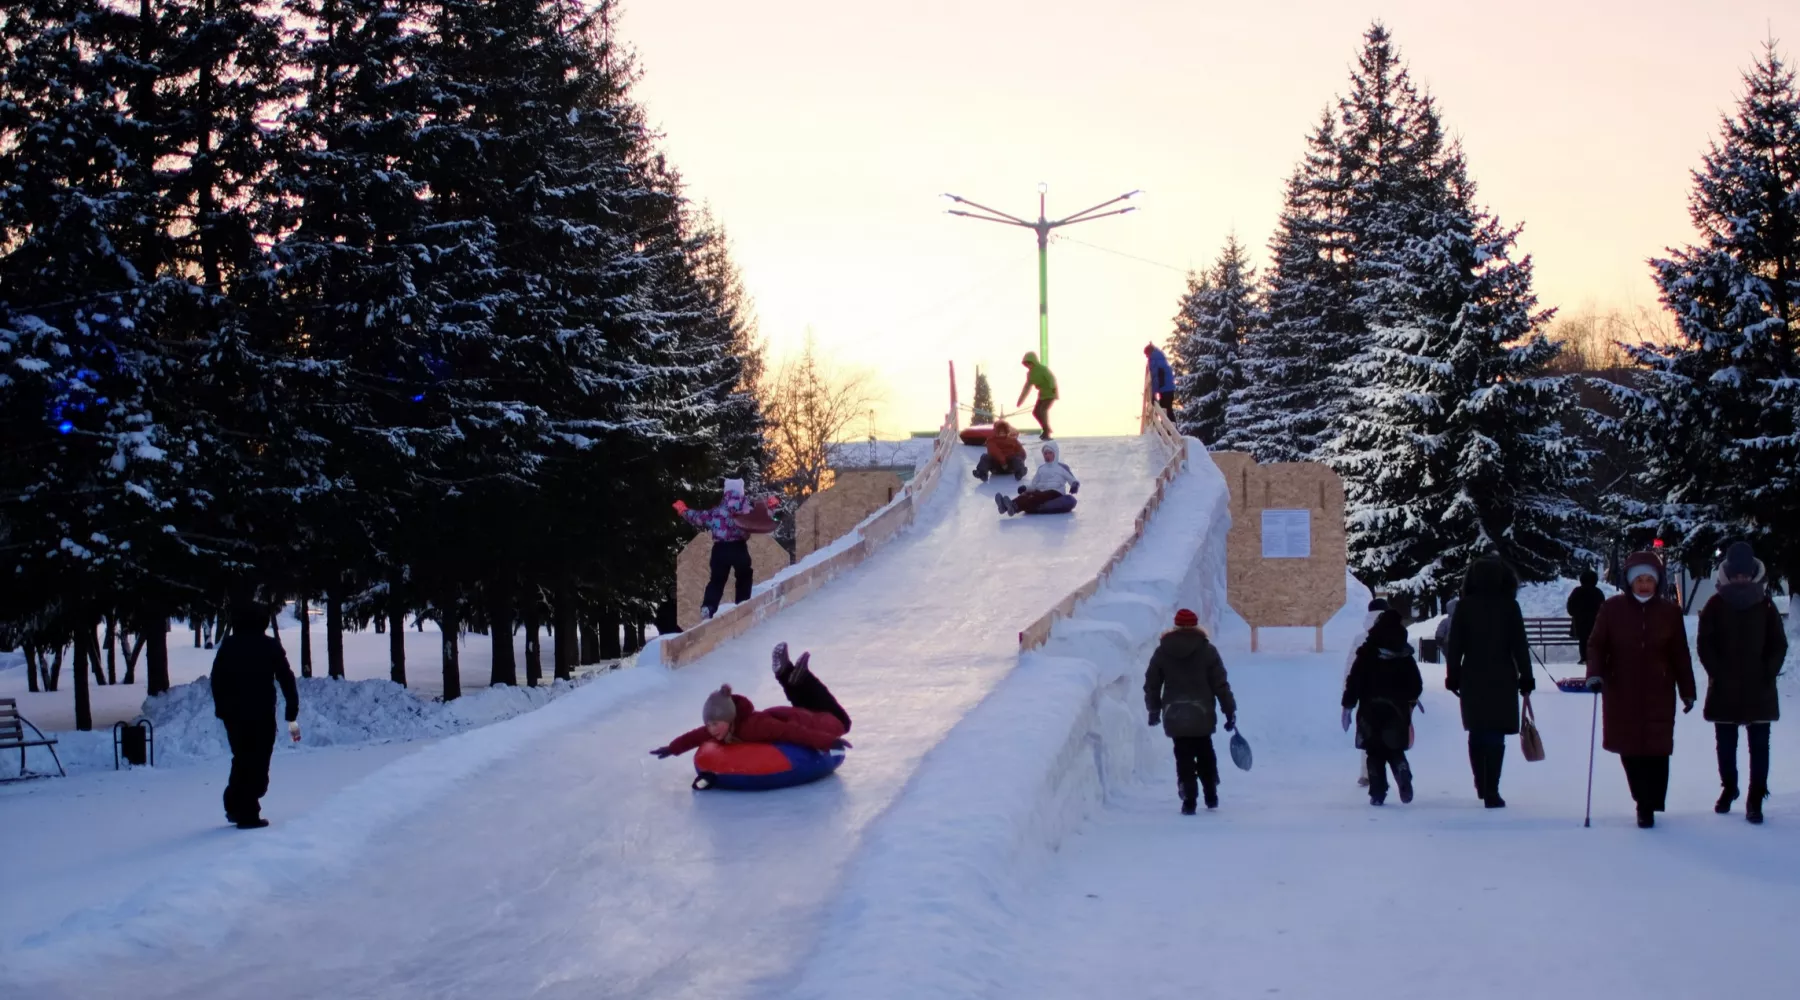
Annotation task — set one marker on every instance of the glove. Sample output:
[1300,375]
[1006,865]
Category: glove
[840,744]
[1687,705]
[680,508]
[1074,488]
[1155,718]
[773,502]
[1593,684]
[662,753]
[1231,723]
[294,731]
[1455,689]
[1346,720]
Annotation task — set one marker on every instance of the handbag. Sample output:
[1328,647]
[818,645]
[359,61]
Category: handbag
[1530,743]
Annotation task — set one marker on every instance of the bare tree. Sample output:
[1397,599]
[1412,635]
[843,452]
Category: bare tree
[1592,340]
[810,403]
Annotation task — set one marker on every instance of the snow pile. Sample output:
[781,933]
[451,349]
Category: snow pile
[332,713]
[928,900]
[11,661]
[913,452]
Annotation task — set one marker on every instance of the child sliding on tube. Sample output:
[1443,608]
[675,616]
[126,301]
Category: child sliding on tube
[816,720]
[1051,480]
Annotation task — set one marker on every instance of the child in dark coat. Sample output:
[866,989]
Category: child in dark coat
[1186,677]
[1383,686]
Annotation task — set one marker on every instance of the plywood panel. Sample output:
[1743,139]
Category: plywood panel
[830,514]
[1283,592]
[694,565]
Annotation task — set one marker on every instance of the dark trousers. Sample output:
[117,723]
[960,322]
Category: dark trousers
[728,557]
[252,744]
[1014,467]
[1581,638]
[1041,412]
[1031,500]
[1166,400]
[1381,759]
[1726,737]
[1487,755]
[1194,759]
[810,693]
[1649,781]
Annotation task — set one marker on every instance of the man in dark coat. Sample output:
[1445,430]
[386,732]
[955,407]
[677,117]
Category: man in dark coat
[1383,686]
[1185,678]
[245,672]
[1487,665]
[1583,607]
[1742,645]
[1638,660]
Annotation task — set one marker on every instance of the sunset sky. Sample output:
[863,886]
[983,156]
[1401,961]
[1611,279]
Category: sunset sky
[821,134]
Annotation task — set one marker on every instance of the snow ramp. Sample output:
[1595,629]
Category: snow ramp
[551,856]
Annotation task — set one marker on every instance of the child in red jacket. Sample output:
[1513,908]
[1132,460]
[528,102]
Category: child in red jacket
[816,720]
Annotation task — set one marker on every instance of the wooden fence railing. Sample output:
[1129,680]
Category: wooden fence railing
[875,531]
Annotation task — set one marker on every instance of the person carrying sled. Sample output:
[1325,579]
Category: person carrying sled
[1742,646]
[1583,607]
[1184,680]
[1005,455]
[1383,686]
[1487,665]
[1162,379]
[1038,374]
[1052,479]
[1638,660]
[731,544]
[246,670]
[813,719]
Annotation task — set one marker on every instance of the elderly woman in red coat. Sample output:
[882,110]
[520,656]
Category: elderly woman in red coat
[1638,660]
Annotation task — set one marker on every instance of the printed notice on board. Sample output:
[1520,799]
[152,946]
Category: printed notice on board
[1287,534]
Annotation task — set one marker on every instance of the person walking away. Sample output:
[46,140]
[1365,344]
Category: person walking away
[1376,607]
[813,718]
[1162,379]
[1487,665]
[1638,660]
[1051,480]
[1005,454]
[1583,607]
[1383,686]
[245,673]
[1185,679]
[1742,645]
[1038,374]
[731,544]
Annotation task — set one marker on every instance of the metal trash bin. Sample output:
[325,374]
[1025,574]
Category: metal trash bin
[135,741]
[1428,650]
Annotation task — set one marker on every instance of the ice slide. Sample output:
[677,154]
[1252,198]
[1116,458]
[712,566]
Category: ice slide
[550,856]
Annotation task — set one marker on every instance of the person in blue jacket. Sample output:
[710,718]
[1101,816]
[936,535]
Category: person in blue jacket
[1162,379]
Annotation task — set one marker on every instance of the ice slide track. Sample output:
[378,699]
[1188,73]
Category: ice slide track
[575,865]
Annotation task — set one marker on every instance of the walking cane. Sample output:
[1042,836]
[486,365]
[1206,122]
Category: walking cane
[1588,819]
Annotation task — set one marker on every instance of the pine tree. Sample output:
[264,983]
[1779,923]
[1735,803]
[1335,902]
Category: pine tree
[981,409]
[1218,316]
[1716,419]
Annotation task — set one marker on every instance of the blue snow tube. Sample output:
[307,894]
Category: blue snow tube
[1061,505]
[759,767]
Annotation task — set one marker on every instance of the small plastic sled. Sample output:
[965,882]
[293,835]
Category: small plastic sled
[759,767]
[977,434]
[1061,505]
[1240,751]
[757,522]
[1572,685]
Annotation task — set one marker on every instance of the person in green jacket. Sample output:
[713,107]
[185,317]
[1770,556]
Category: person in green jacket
[1037,373]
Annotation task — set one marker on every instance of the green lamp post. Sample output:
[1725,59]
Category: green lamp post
[1042,227]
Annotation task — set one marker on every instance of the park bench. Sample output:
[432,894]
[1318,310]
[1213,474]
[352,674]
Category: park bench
[1547,632]
[12,736]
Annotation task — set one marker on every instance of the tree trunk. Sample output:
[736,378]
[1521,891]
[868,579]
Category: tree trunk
[84,648]
[567,633]
[380,624]
[665,617]
[300,608]
[634,635]
[334,635]
[534,656]
[133,649]
[590,644]
[112,660]
[156,654]
[198,625]
[500,630]
[92,641]
[452,665]
[396,640]
[31,668]
[54,682]
[609,633]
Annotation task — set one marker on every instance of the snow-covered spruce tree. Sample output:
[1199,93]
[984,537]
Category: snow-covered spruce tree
[981,406]
[1218,316]
[1453,446]
[1286,405]
[1717,417]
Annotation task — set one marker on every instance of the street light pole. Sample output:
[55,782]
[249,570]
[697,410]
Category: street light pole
[1042,227]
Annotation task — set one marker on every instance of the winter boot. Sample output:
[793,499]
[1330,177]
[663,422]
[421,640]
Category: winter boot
[1378,784]
[978,474]
[1403,778]
[1004,504]
[1726,798]
[252,823]
[1188,796]
[1494,759]
[1646,818]
[1212,796]
[799,671]
[1753,805]
[1478,768]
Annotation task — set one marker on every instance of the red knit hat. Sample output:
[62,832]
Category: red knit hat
[1186,619]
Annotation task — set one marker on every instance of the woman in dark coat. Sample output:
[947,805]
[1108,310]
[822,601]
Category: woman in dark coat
[1488,666]
[1638,660]
[1742,645]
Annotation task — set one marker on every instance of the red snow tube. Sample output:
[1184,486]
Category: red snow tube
[1061,505]
[756,767]
[977,434]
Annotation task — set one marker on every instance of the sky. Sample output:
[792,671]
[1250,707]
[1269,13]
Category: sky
[821,134]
